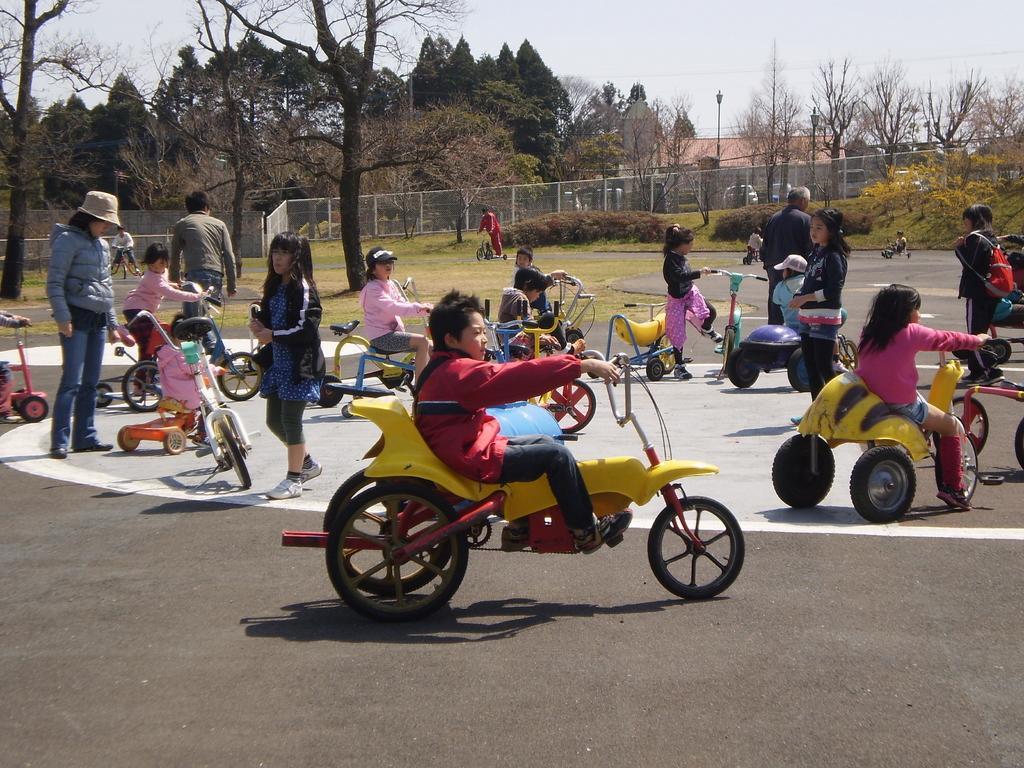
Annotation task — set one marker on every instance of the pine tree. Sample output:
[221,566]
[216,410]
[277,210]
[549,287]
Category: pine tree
[459,73]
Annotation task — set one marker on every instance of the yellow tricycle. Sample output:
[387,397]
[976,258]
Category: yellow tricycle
[883,480]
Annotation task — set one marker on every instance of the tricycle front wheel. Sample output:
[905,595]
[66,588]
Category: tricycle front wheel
[691,570]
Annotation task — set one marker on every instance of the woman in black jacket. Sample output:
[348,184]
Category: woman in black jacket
[289,322]
[974,250]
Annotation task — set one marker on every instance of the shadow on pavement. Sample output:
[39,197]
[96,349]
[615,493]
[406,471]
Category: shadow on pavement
[761,431]
[333,620]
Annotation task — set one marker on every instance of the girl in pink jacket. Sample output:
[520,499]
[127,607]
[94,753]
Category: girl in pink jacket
[384,308]
[890,340]
[152,289]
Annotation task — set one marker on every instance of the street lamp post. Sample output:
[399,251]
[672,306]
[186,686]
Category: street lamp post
[718,145]
[814,152]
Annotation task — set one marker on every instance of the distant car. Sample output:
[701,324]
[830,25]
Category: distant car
[739,195]
[780,191]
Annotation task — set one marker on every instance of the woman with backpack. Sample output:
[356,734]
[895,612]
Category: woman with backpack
[974,250]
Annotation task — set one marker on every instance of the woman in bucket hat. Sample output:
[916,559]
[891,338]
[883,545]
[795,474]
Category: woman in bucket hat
[81,297]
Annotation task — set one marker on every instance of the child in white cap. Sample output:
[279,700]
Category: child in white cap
[792,268]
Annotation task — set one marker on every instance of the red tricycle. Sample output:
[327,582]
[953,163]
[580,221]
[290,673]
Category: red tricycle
[975,417]
[31,404]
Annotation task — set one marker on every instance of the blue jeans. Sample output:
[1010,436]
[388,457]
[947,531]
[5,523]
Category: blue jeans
[83,357]
[207,278]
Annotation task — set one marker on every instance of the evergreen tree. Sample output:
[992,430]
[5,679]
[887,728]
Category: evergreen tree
[459,73]
[508,68]
[637,93]
[428,86]
[487,69]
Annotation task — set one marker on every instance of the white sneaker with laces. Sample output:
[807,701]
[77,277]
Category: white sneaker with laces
[286,489]
[311,469]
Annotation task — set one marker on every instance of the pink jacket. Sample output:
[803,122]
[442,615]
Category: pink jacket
[176,379]
[891,373]
[153,287]
[383,308]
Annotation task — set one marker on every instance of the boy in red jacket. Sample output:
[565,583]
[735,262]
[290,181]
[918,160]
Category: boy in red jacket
[455,388]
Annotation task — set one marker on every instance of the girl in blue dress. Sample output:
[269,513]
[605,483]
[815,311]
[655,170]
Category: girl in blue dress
[289,323]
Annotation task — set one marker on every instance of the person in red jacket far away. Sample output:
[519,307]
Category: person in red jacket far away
[489,222]
[457,386]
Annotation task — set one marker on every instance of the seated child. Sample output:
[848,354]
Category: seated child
[524,259]
[516,303]
[384,308]
[152,289]
[889,342]
[7,320]
[901,243]
[792,268]
[457,386]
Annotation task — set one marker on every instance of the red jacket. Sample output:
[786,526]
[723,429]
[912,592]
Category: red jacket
[489,221]
[465,436]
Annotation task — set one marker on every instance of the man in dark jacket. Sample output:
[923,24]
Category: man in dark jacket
[787,233]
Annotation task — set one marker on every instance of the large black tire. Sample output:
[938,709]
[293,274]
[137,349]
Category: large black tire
[140,386]
[796,371]
[350,567]
[794,482]
[655,369]
[728,346]
[696,576]
[883,483]
[329,397]
[977,430]
[573,405]
[241,378]
[741,372]
[1000,349]
[1018,443]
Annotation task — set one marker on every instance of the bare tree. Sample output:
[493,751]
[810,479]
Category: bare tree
[771,120]
[349,34]
[836,97]
[948,114]
[890,109]
[23,54]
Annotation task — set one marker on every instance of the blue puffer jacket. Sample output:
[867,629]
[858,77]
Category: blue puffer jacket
[79,274]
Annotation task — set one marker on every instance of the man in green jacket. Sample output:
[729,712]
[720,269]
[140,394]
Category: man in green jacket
[205,243]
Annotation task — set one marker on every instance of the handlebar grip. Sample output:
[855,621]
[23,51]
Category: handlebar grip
[762,279]
[631,305]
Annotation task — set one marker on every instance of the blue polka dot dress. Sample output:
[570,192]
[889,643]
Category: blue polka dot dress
[281,378]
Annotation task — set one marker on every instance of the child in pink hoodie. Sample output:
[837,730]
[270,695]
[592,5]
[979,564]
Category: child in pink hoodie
[152,289]
[890,340]
[384,308]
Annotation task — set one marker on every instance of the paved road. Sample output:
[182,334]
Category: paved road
[155,630]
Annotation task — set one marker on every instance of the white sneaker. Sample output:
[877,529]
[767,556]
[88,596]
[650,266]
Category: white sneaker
[286,489]
[311,469]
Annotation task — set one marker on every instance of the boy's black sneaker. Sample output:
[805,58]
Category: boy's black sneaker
[681,373]
[992,376]
[609,530]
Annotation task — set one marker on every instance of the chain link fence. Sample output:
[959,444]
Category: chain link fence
[409,213]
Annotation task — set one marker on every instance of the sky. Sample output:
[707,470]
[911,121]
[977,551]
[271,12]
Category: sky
[676,48]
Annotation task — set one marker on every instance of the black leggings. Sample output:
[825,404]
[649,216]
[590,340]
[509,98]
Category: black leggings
[527,457]
[818,359]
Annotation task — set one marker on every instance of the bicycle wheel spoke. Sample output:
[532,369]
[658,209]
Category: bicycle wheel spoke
[677,558]
[713,559]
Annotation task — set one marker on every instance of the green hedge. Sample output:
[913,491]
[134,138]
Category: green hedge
[738,224]
[585,227]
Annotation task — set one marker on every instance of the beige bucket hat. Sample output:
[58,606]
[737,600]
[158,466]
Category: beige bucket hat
[102,205]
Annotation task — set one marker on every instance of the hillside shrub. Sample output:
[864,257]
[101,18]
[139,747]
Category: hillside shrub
[576,227]
[738,224]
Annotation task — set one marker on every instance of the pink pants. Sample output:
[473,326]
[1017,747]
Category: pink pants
[690,307]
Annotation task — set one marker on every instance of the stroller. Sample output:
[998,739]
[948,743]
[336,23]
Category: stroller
[191,406]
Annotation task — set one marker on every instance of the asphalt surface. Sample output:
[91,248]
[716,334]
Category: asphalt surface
[169,628]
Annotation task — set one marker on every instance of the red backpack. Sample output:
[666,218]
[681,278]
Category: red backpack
[999,281]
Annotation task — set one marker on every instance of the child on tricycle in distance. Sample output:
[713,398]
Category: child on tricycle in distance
[7,320]
[457,386]
[684,298]
[384,307]
[891,338]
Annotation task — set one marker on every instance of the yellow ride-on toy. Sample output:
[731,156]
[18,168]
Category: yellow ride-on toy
[883,480]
